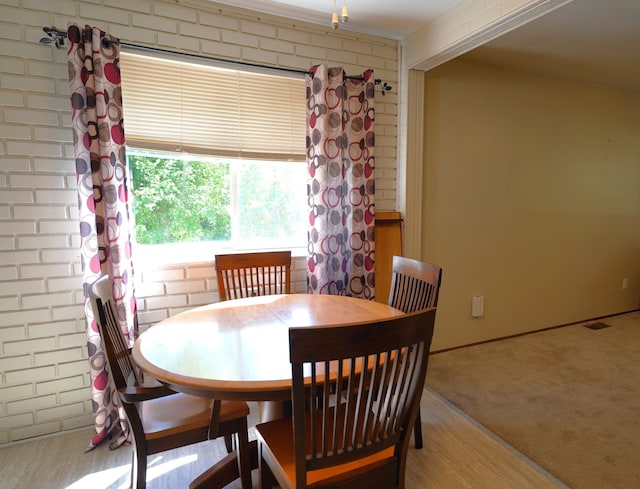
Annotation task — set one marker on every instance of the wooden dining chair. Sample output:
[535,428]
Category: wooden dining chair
[351,428]
[161,419]
[252,274]
[415,285]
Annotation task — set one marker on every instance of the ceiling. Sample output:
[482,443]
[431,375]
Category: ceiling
[592,40]
[393,19]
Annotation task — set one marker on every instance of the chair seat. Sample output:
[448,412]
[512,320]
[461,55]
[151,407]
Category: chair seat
[179,412]
[276,437]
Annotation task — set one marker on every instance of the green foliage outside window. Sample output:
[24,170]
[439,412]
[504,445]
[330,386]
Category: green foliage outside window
[177,200]
[249,203]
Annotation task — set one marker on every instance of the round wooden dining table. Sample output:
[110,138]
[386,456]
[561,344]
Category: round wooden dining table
[239,350]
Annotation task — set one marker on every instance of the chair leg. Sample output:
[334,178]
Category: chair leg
[244,456]
[138,468]
[228,443]
[417,432]
[267,479]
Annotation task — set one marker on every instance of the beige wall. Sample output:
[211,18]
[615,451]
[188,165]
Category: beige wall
[44,374]
[531,199]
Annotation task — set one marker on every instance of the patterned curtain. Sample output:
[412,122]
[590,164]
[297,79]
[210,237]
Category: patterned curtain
[340,192]
[99,143]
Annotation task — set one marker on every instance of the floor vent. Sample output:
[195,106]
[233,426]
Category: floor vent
[597,326]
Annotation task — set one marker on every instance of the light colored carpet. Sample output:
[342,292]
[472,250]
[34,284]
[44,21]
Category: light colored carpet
[567,398]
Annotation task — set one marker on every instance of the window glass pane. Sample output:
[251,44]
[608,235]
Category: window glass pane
[271,203]
[229,204]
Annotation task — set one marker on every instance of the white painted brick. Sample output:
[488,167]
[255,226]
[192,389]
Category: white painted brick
[198,31]
[28,84]
[45,271]
[26,346]
[152,317]
[7,243]
[34,149]
[138,5]
[66,283]
[52,134]
[33,374]
[205,271]
[182,43]
[22,287]
[15,362]
[19,227]
[9,303]
[133,34]
[40,429]
[203,298]
[72,312]
[160,275]
[166,302]
[184,286]
[53,227]
[16,392]
[49,328]
[25,405]
[260,57]
[258,29]
[49,299]
[15,164]
[222,50]
[53,357]
[221,21]
[22,419]
[49,70]
[15,132]
[79,395]
[115,16]
[40,242]
[8,273]
[15,318]
[78,421]
[37,181]
[58,6]
[149,289]
[11,98]
[294,36]
[39,212]
[57,256]
[70,369]
[15,196]
[57,196]
[73,340]
[10,332]
[315,52]
[239,38]
[155,23]
[175,12]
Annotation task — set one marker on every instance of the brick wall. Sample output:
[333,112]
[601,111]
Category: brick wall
[44,379]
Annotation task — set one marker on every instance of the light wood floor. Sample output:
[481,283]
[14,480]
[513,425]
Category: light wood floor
[457,454]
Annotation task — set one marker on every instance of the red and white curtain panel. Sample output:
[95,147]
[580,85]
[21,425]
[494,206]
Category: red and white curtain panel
[341,186]
[101,170]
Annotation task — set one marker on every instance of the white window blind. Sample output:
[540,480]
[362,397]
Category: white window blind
[172,105]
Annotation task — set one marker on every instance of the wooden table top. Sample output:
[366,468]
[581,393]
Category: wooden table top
[239,349]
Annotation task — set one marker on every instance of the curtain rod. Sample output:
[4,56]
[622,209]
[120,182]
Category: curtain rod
[57,37]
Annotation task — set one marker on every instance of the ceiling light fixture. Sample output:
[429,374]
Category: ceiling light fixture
[335,20]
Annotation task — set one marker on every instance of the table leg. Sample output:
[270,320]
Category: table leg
[224,471]
[270,410]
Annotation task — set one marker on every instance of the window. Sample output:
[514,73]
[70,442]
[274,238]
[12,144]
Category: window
[217,158]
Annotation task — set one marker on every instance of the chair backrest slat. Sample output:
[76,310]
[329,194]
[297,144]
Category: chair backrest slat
[357,388]
[251,274]
[415,285]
